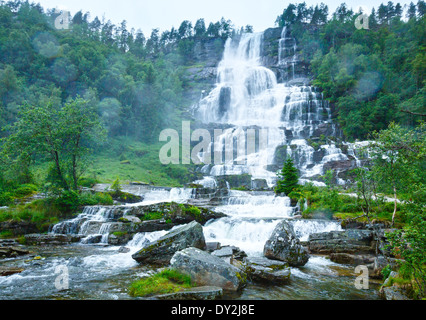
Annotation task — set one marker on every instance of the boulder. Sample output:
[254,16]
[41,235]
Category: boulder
[161,251]
[208,270]
[284,245]
[261,269]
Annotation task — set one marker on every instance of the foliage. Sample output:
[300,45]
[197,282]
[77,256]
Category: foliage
[166,281]
[289,178]
[116,186]
[370,77]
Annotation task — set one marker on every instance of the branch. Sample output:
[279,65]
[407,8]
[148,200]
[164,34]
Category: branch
[414,113]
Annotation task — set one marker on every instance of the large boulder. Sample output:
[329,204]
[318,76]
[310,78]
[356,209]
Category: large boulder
[284,245]
[208,270]
[348,241]
[161,251]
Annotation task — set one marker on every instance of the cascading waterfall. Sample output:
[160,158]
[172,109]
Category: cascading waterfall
[97,221]
[247,95]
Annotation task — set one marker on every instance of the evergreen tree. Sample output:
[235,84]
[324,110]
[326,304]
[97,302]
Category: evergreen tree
[289,178]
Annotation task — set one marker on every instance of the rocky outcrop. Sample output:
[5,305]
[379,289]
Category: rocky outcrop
[51,239]
[206,269]
[349,241]
[284,245]
[260,269]
[161,251]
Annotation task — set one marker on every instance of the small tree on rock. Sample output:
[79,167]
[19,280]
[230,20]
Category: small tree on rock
[289,178]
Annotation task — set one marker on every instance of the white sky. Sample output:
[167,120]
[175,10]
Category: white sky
[165,14]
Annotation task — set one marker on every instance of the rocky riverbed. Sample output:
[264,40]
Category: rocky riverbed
[243,247]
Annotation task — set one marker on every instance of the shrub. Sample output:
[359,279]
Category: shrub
[87,182]
[25,190]
[6,199]
[68,201]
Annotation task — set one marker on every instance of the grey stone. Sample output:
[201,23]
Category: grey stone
[348,241]
[261,269]
[284,245]
[161,251]
[206,269]
[197,293]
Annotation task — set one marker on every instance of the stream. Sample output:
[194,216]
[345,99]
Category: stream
[102,272]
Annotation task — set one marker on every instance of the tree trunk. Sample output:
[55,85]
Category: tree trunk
[58,168]
[395,205]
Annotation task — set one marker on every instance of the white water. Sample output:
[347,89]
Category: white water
[247,95]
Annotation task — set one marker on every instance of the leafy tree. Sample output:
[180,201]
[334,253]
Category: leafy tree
[61,134]
[289,178]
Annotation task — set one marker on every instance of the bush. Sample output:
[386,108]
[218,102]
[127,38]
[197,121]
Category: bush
[99,198]
[6,199]
[68,201]
[87,182]
[25,190]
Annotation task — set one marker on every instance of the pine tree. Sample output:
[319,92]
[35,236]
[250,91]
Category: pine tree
[289,178]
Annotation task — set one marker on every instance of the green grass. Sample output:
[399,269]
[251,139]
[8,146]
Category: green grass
[141,164]
[166,281]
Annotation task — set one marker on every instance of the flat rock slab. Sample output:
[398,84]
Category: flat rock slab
[208,270]
[11,252]
[348,241]
[5,271]
[197,293]
[51,239]
[260,269]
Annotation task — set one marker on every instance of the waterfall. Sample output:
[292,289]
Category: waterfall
[248,96]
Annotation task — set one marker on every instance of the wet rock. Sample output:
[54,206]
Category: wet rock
[197,293]
[11,252]
[381,262]
[118,238]
[206,269]
[261,269]
[123,250]
[92,239]
[51,239]
[392,293]
[348,241]
[355,259]
[161,251]
[284,245]
[18,228]
[259,184]
[8,271]
[211,246]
